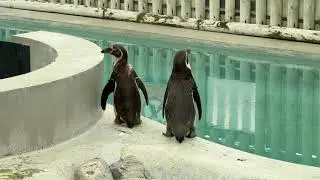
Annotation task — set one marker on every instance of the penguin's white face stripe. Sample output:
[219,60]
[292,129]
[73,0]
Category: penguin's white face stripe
[117,59]
[188,66]
[187,62]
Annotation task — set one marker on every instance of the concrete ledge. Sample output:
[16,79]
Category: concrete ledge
[53,103]
[165,158]
[274,32]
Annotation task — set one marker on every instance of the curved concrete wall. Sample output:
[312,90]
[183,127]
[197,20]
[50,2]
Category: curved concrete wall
[53,103]
[40,54]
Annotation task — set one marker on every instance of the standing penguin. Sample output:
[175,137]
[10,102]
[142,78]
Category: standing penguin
[124,83]
[178,99]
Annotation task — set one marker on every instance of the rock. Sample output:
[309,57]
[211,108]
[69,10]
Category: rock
[129,168]
[94,169]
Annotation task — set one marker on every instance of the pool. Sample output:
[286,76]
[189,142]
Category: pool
[261,101]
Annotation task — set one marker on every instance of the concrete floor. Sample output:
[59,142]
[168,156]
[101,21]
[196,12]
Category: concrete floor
[194,159]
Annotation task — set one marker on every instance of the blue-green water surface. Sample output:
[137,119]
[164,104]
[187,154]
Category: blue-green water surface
[261,101]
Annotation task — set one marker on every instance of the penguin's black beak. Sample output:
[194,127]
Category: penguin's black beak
[107,50]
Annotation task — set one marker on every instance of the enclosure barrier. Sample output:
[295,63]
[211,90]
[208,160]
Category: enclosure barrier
[286,13]
[56,101]
[279,19]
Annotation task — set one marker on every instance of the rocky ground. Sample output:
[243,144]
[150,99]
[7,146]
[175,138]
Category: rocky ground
[127,168]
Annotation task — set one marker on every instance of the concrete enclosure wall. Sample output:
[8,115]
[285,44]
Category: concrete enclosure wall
[15,59]
[53,103]
[40,54]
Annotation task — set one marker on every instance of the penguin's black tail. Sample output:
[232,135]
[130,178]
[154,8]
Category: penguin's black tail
[130,122]
[179,131]
[130,125]
[131,119]
[180,138]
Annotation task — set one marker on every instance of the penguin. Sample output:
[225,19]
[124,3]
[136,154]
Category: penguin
[124,83]
[179,97]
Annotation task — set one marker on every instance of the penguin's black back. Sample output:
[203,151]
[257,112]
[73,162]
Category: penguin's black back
[179,107]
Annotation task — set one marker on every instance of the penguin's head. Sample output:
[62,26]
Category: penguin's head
[118,51]
[181,60]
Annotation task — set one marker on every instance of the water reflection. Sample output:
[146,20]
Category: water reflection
[264,106]
[256,106]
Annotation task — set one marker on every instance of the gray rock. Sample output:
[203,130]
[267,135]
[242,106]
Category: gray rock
[94,169]
[129,168]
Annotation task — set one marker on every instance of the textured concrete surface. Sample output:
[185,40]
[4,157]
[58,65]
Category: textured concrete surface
[191,35]
[94,169]
[129,168]
[258,30]
[195,159]
[53,103]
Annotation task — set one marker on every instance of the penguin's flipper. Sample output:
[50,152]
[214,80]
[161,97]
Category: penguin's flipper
[109,88]
[141,86]
[143,89]
[196,98]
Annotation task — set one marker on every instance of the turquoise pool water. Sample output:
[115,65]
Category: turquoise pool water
[261,101]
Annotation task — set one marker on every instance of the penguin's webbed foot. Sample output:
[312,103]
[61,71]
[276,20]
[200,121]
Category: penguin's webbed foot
[168,134]
[117,120]
[168,131]
[138,121]
[192,133]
